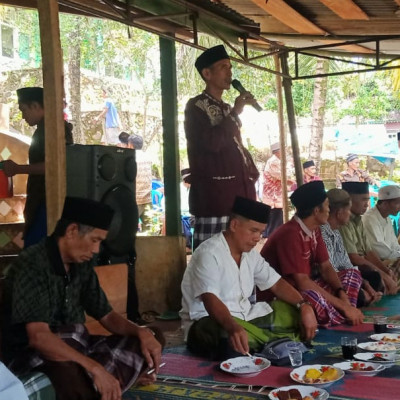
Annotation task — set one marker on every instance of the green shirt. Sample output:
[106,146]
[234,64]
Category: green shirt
[354,237]
[39,290]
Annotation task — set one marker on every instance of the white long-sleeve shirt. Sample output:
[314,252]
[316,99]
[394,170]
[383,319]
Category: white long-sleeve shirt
[381,235]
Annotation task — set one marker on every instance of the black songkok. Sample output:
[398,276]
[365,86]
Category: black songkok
[309,195]
[251,209]
[307,164]
[88,212]
[30,94]
[356,187]
[211,56]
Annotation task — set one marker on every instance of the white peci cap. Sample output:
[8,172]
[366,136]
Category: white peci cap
[389,192]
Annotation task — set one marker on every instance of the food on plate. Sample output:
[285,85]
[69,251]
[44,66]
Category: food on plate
[294,394]
[355,366]
[329,374]
[312,373]
[391,339]
[322,375]
[380,346]
[379,357]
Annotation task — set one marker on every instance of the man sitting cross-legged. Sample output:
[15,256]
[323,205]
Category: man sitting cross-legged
[379,229]
[48,289]
[357,244]
[296,250]
[218,312]
[339,215]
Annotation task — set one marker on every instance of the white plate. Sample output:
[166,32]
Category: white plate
[390,358]
[245,366]
[392,327]
[348,367]
[378,347]
[392,338]
[298,375]
[304,391]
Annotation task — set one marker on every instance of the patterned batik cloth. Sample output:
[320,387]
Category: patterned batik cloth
[205,227]
[326,314]
[119,355]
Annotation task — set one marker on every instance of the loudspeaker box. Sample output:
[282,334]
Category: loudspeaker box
[107,174]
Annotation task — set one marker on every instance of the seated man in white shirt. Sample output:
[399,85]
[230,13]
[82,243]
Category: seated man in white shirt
[219,313]
[379,229]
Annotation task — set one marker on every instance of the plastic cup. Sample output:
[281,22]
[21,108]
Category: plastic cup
[349,347]
[380,322]
[295,354]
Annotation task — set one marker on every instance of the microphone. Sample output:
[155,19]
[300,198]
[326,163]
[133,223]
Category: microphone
[239,87]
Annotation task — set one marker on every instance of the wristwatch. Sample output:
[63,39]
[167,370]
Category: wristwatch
[300,303]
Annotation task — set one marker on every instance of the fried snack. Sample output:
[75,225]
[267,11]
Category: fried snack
[312,373]
[330,374]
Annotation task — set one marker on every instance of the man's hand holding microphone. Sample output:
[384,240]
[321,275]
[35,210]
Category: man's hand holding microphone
[244,98]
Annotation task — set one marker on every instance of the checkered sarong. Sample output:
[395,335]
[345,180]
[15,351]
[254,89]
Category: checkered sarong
[205,227]
[119,355]
[326,314]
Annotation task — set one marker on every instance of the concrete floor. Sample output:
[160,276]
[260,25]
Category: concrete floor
[172,331]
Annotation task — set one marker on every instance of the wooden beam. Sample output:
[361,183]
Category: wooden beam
[346,9]
[352,48]
[53,105]
[280,10]
[169,104]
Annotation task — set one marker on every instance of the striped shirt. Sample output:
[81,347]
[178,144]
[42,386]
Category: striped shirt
[334,244]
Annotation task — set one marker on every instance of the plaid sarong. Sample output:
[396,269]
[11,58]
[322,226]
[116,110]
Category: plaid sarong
[326,314]
[119,355]
[205,227]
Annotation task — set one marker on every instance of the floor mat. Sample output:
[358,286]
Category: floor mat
[187,377]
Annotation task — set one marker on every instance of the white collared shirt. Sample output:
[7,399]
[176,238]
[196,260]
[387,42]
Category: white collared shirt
[213,270]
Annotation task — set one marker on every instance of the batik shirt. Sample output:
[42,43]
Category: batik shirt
[358,176]
[334,244]
[221,167]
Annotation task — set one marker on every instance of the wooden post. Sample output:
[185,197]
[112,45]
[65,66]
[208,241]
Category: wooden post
[287,85]
[170,137]
[53,105]
[282,140]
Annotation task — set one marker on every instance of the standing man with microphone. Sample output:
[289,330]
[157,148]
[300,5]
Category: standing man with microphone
[221,167]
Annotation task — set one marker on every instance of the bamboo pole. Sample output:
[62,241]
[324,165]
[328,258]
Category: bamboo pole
[282,141]
[287,85]
[53,104]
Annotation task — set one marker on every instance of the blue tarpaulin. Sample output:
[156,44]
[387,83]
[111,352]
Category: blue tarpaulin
[367,140]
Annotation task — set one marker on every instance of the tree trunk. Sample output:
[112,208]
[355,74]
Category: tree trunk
[74,74]
[318,113]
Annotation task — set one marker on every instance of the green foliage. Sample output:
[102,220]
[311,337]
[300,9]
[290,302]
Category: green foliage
[303,93]
[369,103]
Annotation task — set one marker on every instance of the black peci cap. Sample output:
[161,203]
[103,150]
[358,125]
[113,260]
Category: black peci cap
[251,209]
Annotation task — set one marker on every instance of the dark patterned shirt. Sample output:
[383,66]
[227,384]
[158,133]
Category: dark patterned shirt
[39,290]
[221,167]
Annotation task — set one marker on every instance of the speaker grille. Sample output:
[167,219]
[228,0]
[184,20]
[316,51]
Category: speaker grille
[107,174]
